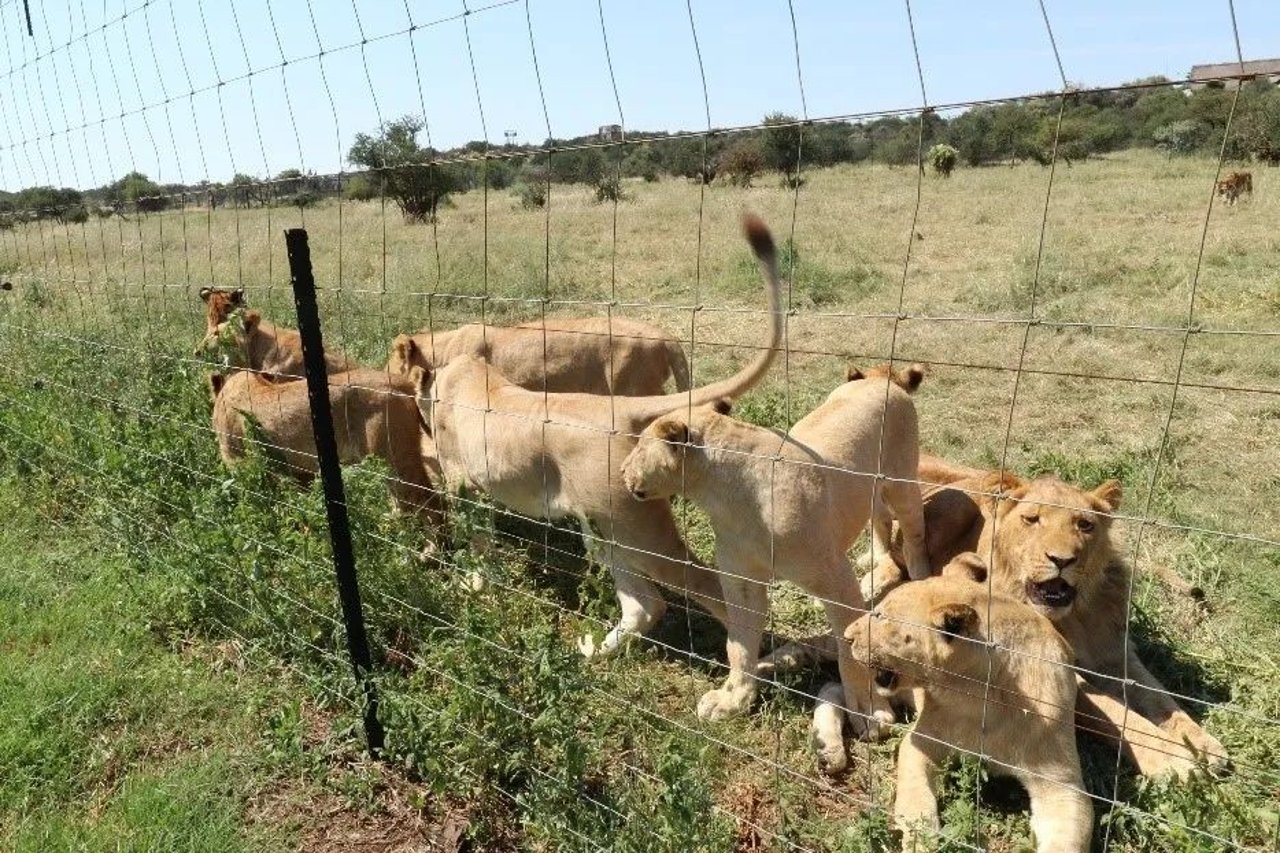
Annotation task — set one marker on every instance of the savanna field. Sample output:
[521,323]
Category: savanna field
[174,672]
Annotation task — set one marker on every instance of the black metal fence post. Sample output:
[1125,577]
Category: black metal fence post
[335,499]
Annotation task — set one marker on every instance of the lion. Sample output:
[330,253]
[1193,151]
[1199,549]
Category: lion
[254,343]
[373,415]
[1050,545]
[556,455]
[592,355]
[989,676]
[1235,185]
[789,505]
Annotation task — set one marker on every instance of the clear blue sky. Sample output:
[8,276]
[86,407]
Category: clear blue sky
[854,57]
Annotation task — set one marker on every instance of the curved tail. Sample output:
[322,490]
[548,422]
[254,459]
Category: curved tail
[647,409]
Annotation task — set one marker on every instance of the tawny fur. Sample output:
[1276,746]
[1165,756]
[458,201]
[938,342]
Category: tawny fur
[988,676]
[373,415]
[788,506]
[558,455]
[1235,185]
[254,343]
[592,355]
[1048,535]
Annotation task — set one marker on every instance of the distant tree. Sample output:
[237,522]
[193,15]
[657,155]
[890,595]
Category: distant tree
[742,162]
[780,144]
[135,191]
[1180,137]
[417,185]
[361,187]
[246,191]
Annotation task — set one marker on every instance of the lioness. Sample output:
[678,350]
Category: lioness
[557,455]
[593,355]
[255,343]
[373,415]
[789,505]
[1235,185]
[1050,545]
[991,677]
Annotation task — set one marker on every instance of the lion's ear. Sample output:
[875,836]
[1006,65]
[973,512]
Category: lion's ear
[910,378]
[966,566]
[403,348]
[1109,494]
[854,374]
[672,431]
[1012,487]
[205,293]
[954,620]
[216,381]
[251,320]
[420,378]
[237,296]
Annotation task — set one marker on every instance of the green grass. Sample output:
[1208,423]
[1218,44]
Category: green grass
[138,540]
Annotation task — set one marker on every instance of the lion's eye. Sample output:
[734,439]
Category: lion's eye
[1031,519]
[1084,525]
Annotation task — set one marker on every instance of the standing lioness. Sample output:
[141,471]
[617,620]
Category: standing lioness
[788,506]
[590,355]
[557,455]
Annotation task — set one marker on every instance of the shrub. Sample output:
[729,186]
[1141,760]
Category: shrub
[1186,136]
[742,163]
[533,188]
[608,189]
[942,157]
[361,187]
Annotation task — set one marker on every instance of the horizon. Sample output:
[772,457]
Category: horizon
[260,86]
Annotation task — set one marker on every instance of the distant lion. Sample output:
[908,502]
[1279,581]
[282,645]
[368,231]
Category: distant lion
[1235,185]
[253,342]
[591,355]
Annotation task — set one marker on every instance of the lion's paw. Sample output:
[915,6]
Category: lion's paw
[722,704]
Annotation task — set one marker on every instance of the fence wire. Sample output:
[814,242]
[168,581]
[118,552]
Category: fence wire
[111,278]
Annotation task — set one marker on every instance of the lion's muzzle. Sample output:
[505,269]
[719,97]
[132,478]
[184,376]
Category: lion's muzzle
[1053,594]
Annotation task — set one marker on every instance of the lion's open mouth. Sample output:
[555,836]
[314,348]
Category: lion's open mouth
[1051,593]
[886,679]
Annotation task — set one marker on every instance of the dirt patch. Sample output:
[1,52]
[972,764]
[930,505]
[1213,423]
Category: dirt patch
[755,813]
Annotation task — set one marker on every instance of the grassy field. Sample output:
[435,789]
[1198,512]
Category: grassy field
[104,430]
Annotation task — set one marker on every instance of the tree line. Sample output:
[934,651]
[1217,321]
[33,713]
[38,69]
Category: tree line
[1151,113]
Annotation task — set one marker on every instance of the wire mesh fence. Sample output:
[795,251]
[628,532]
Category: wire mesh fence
[605,610]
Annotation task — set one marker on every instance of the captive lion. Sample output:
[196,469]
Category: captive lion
[788,506]
[591,355]
[990,676]
[557,456]
[373,415]
[1050,545]
[253,342]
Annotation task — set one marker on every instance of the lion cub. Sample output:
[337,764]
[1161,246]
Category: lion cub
[591,355]
[255,343]
[991,677]
[789,506]
[373,415]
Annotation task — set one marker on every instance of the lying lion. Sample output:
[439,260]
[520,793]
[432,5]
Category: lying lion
[1050,545]
[557,456]
[254,343]
[991,677]
[373,415]
[594,355]
[789,505]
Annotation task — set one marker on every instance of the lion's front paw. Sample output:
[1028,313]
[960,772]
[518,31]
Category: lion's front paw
[724,703]
[1206,749]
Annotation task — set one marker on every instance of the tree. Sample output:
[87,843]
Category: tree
[742,162]
[1180,137]
[134,191]
[781,144]
[417,185]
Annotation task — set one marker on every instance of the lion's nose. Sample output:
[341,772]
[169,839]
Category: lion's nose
[1060,561]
